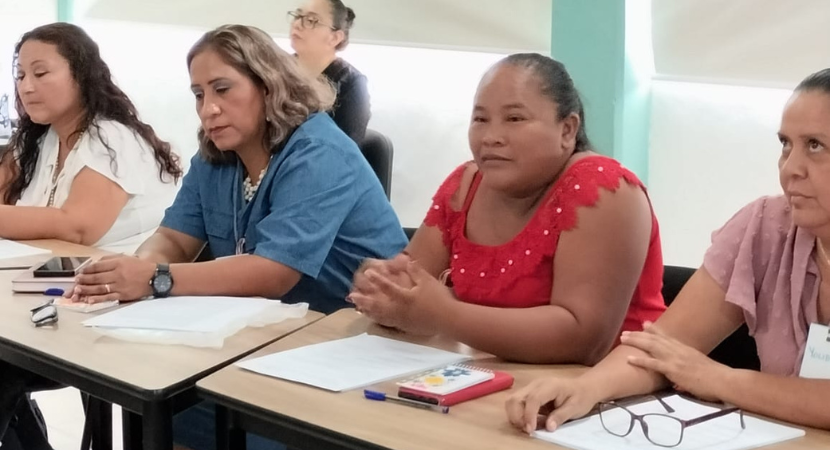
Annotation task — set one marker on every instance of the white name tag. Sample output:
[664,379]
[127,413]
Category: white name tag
[816,362]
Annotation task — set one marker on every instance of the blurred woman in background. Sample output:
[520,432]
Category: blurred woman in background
[320,29]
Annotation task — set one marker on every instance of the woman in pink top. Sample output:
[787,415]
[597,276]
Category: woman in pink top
[767,267]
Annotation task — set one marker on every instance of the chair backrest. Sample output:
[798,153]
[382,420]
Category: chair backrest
[378,150]
[738,350]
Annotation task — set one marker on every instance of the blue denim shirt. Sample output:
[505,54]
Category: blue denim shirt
[319,209]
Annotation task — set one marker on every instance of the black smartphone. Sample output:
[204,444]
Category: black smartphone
[61,266]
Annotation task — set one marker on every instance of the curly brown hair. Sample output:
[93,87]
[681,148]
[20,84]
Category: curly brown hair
[290,94]
[100,99]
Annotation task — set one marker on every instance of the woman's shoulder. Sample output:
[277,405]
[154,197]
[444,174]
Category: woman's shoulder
[319,141]
[751,239]
[590,166]
[585,177]
[106,134]
[318,129]
[345,77]
[768,215]
[454,189]
[341,70]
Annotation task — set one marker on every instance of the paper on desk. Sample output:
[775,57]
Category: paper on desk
[12,249]
[192,321]
[723,433]
[195,314]
[351,363]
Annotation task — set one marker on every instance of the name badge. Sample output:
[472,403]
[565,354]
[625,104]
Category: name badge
[816,362]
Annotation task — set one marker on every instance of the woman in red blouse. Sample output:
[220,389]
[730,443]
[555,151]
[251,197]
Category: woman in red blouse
[539,250]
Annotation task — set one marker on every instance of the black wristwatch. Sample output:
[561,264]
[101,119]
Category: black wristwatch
[162,281]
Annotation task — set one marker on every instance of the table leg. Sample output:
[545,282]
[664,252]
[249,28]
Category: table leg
[131,430]
[157,421]
[228,436]
[102,433]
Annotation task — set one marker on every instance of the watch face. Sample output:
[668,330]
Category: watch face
[162,283]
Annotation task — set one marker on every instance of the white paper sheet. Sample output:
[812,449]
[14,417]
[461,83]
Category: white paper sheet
[351,363]
[723,433]
[196,314]
[12,249]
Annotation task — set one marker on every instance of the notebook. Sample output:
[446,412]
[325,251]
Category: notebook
[27,283]
[422,389]
[447,380]
[723,433]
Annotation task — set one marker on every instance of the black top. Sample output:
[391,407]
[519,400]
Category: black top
[351,109]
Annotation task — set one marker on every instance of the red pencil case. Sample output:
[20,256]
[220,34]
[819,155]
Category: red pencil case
[500,382]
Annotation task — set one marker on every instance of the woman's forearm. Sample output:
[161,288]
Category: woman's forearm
[614,377]
[237,276]
[160,248]
[543,334]
[798,400]
[34,222]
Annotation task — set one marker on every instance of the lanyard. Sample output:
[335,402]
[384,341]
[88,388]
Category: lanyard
[246,214]
[239,240]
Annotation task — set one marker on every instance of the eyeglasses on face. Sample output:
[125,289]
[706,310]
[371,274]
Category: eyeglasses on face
[662,430]
[307,21]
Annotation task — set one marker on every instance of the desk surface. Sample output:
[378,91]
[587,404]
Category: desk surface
[58,248]
[479,423]
[152,370]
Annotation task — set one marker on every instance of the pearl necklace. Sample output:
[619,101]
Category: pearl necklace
[250,188]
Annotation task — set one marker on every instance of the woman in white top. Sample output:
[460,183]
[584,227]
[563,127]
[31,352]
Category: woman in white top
[81,167]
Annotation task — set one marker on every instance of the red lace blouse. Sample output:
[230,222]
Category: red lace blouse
[519,274]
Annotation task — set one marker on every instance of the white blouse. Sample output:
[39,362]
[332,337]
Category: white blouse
[131,164]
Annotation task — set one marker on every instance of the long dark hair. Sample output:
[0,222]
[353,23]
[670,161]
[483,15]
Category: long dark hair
[100,99]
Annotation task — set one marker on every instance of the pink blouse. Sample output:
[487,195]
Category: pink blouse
[766,266]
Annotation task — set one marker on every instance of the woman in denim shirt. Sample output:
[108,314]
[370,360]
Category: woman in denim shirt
[284,198]
[275,185]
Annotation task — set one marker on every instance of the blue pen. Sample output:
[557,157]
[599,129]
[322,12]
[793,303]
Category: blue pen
[53,291]
[380,396]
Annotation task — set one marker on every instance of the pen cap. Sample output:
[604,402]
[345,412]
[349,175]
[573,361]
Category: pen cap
[374,395]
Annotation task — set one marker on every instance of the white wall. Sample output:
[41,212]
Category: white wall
[16,18]
[457,24]
[713,149]
[748,41]
[153,72]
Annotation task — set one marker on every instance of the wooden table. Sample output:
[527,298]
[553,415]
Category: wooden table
[308,418]
[58,248]
[150,381]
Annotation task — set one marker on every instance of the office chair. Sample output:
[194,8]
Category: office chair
[378,151]
[738,350]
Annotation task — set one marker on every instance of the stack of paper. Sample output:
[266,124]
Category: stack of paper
[723,433]
[359,361]
[193,321]
[195,314]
